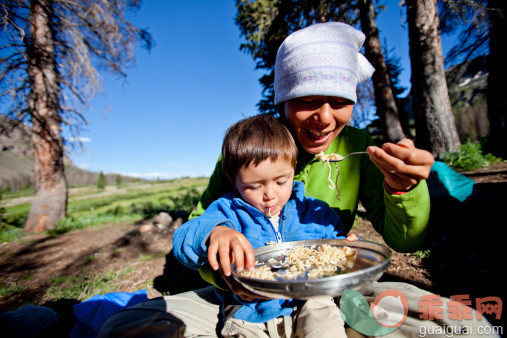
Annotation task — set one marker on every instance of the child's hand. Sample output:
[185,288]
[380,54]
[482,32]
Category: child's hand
[351,237]
[230,246]
[240,290]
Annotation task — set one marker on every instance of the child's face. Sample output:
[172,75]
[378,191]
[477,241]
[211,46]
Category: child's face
[267,186]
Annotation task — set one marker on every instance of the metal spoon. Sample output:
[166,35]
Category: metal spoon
[275,263]
[354,153]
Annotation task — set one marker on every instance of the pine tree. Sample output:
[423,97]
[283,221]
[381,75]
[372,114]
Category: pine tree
[118,181]
[50,51]
[101,181]
[435,127]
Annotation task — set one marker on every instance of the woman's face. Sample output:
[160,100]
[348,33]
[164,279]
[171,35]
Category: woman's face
[317,120]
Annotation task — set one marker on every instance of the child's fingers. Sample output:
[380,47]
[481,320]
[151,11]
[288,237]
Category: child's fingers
[225,260]
[243,254]
[212,256]
[352,237]
[239,257]
[250,258]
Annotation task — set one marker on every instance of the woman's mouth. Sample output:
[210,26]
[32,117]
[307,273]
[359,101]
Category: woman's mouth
[317,135]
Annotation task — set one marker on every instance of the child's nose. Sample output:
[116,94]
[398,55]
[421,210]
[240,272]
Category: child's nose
[269,194]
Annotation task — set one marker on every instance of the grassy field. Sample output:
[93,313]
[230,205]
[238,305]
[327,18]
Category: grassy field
[89,205]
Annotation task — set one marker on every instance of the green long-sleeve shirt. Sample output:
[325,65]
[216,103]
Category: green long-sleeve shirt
[400,219]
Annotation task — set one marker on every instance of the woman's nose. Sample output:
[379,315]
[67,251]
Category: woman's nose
[324,114]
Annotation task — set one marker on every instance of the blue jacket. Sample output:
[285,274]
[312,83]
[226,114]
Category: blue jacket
[302,218]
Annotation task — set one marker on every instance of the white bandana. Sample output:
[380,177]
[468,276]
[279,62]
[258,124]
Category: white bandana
[322,59]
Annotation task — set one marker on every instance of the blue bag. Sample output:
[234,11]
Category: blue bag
[92,313]
[446,182]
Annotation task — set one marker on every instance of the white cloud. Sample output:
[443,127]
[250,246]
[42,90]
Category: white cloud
[80,139]
[160,175]
[153,175]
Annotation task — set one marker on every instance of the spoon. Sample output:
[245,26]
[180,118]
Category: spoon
[354,153]
[275,263]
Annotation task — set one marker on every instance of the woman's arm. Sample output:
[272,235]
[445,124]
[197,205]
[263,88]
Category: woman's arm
[403,168]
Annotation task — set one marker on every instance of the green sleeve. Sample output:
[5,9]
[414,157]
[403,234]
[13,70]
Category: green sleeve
[400,219]
[406,218]
[218,185]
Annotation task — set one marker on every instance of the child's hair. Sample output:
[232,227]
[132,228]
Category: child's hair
[253,140]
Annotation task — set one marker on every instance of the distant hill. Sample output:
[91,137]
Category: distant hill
[16,160]
[467,84]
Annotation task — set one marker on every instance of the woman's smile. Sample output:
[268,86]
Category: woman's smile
[317,120]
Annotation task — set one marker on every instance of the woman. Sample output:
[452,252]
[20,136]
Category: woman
[316,73]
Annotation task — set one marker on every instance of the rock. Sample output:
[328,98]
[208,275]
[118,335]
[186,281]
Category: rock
[146,227]
[177,223]
[162,220]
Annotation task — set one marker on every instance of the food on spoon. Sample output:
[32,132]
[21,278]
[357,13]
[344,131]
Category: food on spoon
[326,158]
[329,157]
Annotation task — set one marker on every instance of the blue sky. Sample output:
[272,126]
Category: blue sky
[168,118]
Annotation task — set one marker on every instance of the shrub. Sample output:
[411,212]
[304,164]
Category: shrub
[469,157]
[101,181]
[10,225]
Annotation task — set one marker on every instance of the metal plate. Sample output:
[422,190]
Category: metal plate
[371,261]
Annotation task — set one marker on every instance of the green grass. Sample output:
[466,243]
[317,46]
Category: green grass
[469,157]
[422,253]
[9,233]
[10,288]
[152,255]
[75,223]
[85,285]
[89,206]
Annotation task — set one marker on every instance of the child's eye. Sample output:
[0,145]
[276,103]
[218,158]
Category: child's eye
[253,187]
[281,182]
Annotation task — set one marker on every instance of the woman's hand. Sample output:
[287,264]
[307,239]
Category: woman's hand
[402,164]
[230,246]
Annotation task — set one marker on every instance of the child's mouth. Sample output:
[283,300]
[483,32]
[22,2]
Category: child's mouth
[271,210]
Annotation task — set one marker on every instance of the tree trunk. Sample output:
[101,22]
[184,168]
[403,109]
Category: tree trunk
[384,98]
[497,100]
[50,201]
[435,127]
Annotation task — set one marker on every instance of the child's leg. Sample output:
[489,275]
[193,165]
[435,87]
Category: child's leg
[193,313]
[319,317]
[239,328]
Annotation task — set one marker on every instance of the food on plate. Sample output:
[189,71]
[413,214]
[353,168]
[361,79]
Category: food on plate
[325,260]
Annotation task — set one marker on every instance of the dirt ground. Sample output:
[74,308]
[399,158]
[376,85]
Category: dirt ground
[462,255]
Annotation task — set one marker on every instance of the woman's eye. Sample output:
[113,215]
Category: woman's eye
[340,103]
[305,102]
